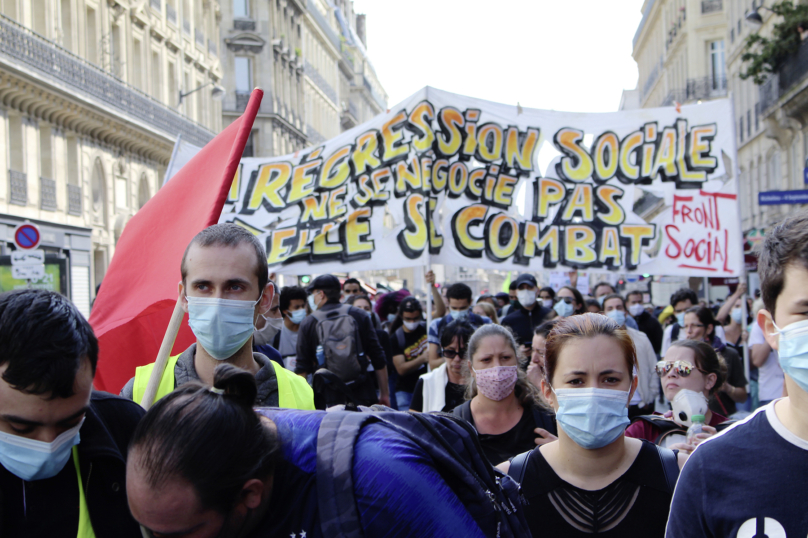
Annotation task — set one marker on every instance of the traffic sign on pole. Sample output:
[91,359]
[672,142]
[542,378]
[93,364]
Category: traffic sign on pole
[27,236]
[28,272]
[27,258]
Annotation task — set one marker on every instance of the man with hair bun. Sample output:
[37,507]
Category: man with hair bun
[224,289]
[62,444]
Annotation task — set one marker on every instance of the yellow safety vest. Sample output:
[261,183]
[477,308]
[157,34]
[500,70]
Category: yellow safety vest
[85,526]
[293,390]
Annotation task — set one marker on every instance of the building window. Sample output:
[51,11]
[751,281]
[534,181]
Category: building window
[732,35]
[243,75]
[749,123]
[757,116]
[143,192]
[717,66]
[249,147]
[241,8]
[740,131]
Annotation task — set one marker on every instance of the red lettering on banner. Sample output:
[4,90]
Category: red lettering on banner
[696,235]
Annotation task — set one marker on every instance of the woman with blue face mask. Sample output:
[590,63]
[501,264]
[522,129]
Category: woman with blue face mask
[569,302]
[568,483]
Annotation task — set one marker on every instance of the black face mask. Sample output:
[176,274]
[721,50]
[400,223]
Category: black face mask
[514,303]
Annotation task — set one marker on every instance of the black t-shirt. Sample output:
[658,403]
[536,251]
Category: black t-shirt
[455,395]
[414,346]
[47,508]
[636,504]
[521,438]
[735,377]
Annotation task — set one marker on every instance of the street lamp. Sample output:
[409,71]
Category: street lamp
[216,93]
[753,18]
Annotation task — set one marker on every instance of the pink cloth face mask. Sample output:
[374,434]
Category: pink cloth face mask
[496,383]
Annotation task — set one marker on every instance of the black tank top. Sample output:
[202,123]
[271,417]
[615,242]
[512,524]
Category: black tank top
[634,505]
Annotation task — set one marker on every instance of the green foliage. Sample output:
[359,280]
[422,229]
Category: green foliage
[770,53]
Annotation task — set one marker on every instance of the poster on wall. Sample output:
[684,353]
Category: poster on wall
[449,179]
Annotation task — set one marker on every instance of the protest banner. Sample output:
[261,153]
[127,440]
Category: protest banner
[462,181]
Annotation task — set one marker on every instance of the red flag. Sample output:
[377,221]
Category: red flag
[140,289]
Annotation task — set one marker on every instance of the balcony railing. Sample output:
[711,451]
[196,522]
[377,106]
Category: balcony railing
[47,194]
[200,37]
[769,92]
[244,24]
[171,14]
[699,88]
[711,6]
[242,98]
[321,83]
[74,200]
[793,71]
[17,188]
[49,60]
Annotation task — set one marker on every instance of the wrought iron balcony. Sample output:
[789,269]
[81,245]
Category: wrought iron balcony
[711,6]
[17,188]
[793,72]
[171,14]
[74,200]
[47,194]
[242,98]
[50,61]
[321,83]
[244,24]
[769,92]
[698,88]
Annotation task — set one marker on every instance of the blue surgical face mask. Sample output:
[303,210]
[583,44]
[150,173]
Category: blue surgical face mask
[30,459]
[297,316]
[592,417]
[737,315]
[618,316]
[391,318]
[563,309]
[312,304]
[458,314]
[221,326]
[793,352]
[680,319]
[601,299]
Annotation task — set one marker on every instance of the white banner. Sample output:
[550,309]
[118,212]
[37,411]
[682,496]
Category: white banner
[481,184]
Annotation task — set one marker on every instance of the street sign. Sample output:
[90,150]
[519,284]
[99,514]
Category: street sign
[783,197]
[27,236]
[27,258]
[28,272]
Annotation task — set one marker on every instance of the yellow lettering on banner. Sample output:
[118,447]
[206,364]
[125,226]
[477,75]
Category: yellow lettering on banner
[551,192]
[608,196]
[408,177]
[421,118]
[475,178]
[314,210]
[363,156]
[336,205]
[521,158]
[303,181]
[413,238]
[470,146]
[336,170]
[458,178]
[435,239]
[666,154]
[489,142]
[449,140]
[439,175]
[364,192]
[378,177]
[700,138]
[392,138]
[579,242]
[535,242]
[685,174]
[576,165]
[426,173]
[279,251]
[648,149]
[606,150]
[356,229]
[321,246]
[462,220]
[630,172]
[500,227]
[580,200]
[271,179]
[504,189]
[636,233]
[610,247]
[236,185]
[302,243]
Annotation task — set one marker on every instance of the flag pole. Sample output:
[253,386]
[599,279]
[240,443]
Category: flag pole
[162,355]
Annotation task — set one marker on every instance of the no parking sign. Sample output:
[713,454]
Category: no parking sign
[27,236]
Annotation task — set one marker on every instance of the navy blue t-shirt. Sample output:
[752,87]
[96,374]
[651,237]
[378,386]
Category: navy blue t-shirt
[749,481]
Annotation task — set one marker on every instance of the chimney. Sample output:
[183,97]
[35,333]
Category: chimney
[360,29]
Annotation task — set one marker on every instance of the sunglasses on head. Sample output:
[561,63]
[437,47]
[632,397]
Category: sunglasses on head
[451,353]
[682,368]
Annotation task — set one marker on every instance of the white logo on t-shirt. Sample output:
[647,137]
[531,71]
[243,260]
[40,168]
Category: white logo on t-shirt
[771,528]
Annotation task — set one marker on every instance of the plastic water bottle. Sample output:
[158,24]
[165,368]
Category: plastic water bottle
[320,355]
[696,428]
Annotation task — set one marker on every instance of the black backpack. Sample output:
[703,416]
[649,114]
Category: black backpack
[668,427]
[338,333]
[490,496]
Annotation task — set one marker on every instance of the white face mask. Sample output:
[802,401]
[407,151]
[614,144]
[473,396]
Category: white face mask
[635,309]
[526,297]
[266,334]
[411,325]
[686,404]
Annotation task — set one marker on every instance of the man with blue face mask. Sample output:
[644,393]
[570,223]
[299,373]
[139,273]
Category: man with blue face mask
[293,308]
[458,297]
[225,288]
[63,446]
[750,480]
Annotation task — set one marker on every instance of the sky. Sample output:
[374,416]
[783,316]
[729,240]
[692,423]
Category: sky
[571,55]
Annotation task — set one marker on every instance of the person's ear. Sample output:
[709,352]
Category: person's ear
[634,382]
[766,322]
[182,298]
[709,381]
[549,395]
[253,492]
[266,299]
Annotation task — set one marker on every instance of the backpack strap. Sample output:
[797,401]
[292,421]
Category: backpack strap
[400,339]
[670,465]
[675,332]
[336,439]
[464,411]
[519,466]
[665,426]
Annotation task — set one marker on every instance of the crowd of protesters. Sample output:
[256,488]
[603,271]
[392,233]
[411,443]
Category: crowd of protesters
[589,404]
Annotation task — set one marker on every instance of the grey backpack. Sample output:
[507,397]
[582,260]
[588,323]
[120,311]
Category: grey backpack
[338,333]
